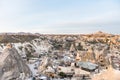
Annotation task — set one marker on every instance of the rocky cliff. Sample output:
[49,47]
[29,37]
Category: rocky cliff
[12,65]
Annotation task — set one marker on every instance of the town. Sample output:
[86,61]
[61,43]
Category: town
[93,56]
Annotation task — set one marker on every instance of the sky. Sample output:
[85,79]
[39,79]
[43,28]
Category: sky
[60,16]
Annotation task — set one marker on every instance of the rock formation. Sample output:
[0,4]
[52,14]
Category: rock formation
[11,64]
[43,65]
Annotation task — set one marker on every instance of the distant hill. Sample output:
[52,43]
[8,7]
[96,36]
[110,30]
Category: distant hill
[17,37]
[22,36]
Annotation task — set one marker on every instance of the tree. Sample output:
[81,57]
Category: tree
[80,47]
[62,74]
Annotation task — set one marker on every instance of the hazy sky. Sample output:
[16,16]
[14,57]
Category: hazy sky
[60,16]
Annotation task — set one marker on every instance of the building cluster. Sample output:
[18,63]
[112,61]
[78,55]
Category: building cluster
[86,56]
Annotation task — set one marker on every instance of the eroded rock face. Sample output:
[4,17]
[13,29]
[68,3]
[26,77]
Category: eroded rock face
[11,65]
